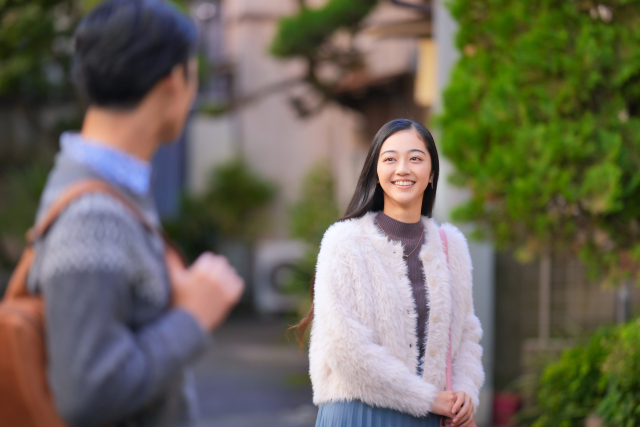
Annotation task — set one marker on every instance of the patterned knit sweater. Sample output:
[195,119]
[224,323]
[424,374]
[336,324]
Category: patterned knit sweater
[116,350]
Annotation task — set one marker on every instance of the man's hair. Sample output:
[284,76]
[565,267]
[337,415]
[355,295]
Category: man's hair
[124,47]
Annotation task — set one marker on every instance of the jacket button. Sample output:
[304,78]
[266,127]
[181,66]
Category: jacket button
[433,352]
[410,345]
[407,311]
[436,318]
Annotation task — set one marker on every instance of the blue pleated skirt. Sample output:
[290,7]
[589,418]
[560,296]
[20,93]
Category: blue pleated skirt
[358,414]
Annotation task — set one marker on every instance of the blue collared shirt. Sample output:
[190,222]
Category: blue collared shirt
[114,165]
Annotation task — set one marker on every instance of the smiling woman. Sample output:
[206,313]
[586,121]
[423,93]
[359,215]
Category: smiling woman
[404,172]
[387,306]
[399,135]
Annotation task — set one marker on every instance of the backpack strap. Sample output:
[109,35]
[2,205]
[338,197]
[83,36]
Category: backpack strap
[76,191]
[17,286]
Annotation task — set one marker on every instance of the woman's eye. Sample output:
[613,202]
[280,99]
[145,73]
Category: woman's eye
[388,159]
[416,158]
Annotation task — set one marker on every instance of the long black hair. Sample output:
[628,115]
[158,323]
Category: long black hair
[369,196]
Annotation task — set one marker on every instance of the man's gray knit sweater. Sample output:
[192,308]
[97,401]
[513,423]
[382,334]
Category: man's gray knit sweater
[116,349]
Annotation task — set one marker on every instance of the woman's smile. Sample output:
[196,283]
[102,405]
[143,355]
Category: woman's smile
[404,184]
[404,172]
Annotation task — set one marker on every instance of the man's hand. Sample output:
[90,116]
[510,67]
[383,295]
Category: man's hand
[208,290]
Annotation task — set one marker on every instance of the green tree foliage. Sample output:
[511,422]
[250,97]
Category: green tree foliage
[542,122]
[621,404]
[601,377]
[317,208]
[36,48]
[572,387]
[236,196]
[20,189]
[309,35]
[194,231]
[306,32]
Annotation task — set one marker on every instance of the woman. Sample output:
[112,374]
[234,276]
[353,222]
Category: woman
[387,301]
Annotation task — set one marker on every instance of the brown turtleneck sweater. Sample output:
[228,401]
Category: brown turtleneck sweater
[410,235]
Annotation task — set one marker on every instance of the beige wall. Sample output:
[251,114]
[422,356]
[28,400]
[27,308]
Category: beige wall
[212,141]
[267,130]
[273,139]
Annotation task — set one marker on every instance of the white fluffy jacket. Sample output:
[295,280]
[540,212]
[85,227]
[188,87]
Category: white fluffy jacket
[363,337]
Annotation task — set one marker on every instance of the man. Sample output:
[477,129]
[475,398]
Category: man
[120,330]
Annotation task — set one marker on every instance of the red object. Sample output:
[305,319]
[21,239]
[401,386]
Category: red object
[505,406]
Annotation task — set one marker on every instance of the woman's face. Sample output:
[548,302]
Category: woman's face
[404,170]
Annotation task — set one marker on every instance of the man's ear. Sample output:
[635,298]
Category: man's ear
[179,72]
[192,70]
[189,69]
[174,81]
[167,85]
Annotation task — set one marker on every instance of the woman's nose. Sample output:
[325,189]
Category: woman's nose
[403,168]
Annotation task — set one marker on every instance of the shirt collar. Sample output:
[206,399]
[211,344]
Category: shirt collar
[114,165]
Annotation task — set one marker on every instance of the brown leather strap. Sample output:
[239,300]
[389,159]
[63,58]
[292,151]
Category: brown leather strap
[80,189]
[17,286]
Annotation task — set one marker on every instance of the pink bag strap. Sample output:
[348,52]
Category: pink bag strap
[444,423]
[443,236]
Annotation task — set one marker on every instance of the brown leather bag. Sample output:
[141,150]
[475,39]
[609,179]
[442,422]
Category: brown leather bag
[25,398]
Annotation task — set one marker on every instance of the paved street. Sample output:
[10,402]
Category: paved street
[251,376]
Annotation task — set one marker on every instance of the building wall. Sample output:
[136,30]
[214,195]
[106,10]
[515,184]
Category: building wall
[272,137]
[212,142]
[578,306]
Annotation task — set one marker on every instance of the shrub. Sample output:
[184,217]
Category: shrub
[572,387]
[311,215]
[621,404]
[232,207]
[600,377]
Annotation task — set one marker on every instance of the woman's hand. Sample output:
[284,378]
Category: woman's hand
[462,410]
[443,404]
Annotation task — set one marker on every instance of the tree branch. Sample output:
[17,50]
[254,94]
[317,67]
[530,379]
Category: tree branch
[426,9]
[268,90]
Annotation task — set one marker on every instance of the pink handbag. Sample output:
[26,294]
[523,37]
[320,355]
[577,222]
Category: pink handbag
[443,236]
